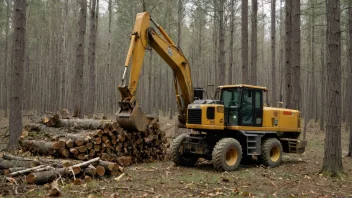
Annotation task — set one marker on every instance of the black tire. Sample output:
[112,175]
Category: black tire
[272,152]
[227,155]
[185,159]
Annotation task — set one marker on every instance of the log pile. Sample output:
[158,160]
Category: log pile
[85,139]
[42,172]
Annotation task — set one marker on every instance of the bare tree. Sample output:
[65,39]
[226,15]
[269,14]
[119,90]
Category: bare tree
[18,57]
[323,91]
[288,66]
[221,79]
[332,163]
[244,33]
[254,42]
[78,91]
[232,30]
[350,74]
[6,55]
[296,53]
[273,54]
[91,59]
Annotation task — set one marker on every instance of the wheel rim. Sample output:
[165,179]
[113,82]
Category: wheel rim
[231,157]
[275,153]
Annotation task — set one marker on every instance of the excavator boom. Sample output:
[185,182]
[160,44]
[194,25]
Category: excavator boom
[130,115]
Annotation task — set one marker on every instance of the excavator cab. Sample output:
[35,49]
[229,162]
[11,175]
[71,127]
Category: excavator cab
[236,105]
[243,105]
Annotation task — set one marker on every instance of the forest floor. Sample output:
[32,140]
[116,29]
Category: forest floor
[296,177]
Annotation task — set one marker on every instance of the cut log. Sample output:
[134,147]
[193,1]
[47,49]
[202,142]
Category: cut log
[41,146]
[82,156]
[112,168]
[89,145]
[91,153]
[97,140]
[79,142]
[64,152]
[97,147]
[88,179]
[82,149]
[100,170]
[6,164]
[12,157]
[81,123]
[70,143]
[104,138]
[121,138]
[90,170]
[49,176]
[124,160]
[74,151]
[62,142]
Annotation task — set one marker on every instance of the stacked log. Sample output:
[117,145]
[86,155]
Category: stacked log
[85,139]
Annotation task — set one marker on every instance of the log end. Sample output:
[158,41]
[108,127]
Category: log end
[100,170]
[31,178]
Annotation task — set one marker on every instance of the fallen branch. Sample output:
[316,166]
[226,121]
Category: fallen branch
[26,170]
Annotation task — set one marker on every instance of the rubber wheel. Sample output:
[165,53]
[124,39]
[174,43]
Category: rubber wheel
[272,152]
[181,159]
[227,155]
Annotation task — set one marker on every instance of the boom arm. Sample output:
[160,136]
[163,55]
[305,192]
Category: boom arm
[170,53]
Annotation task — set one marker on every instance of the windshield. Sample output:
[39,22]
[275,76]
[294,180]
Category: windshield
[230,97]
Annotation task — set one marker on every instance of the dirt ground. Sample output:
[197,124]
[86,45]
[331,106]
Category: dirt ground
[296,177]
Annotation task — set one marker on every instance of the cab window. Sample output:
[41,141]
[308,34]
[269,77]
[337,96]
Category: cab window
[230,97]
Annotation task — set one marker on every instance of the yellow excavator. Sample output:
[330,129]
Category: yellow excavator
[233,127]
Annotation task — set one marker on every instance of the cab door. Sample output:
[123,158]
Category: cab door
[251,111]
[258,107]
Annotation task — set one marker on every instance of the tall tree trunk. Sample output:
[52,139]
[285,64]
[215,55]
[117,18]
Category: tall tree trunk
[78,91]
[232,30]
[221,74]
[282,65]
[323,91]
[350,74]
[64,57]
[273,54]
[296,53]
[91,60]
[244,37]
[215,42]
[312,89]
[288,66]
[109,103]
[6,55]
[254,42]
[332,163]
[18,56]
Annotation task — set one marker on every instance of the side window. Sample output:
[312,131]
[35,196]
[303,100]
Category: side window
[247,99]
[257,99]
[226,97]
